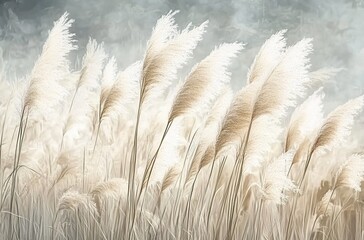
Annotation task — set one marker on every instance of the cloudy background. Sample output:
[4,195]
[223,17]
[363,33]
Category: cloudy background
[337,27]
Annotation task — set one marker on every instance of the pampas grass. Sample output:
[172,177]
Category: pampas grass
[121,152]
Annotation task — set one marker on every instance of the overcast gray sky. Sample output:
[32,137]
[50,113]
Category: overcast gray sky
[337,27]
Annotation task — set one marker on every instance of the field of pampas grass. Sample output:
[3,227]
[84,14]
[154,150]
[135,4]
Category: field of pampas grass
[111,152]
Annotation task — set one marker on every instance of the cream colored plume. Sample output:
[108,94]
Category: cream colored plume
[274,181]
[44,90]
[323,75]
[338,124]
[170,177]
[122,92]
[108,79]
[279,92]
[268,57]
[73,200]
[351,173]
[205,82]
[286,82]
[115,189]
[325,206]
[167,51]
[305,120]
[237,119]
[92,65]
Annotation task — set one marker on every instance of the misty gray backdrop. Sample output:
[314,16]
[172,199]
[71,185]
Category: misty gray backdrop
[337,27]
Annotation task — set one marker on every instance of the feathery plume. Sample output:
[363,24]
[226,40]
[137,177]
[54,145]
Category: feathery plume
[205,82]
[302,150]
[351,173]
[218,110]
[208,156]
[92,64]
[275,181]
[337,126]
[237,119]
[286,83]
[108,79]
[44,90]
[72,200]
[268,57]
[122,92]
[279,92]
[305,119]
[322,75]
[115,188]
[325,206]
[170,177]
[167,51]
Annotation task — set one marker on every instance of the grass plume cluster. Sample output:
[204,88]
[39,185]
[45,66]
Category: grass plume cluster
[103,153]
